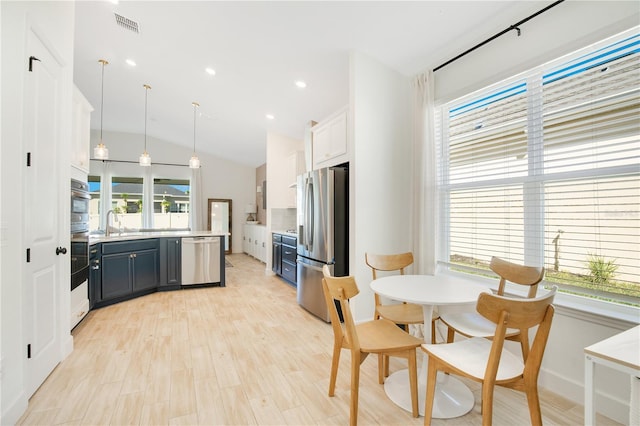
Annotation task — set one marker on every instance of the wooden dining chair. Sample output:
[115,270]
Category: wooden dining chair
[402,314]
[377,337]
[471,324]
[487,361]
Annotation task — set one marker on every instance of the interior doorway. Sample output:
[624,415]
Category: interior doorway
[219,219]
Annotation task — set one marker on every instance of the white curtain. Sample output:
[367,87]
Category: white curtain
[196,201]
[147,198]
[105,193]
[425,213]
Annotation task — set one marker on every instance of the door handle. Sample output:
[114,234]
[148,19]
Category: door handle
[60,250]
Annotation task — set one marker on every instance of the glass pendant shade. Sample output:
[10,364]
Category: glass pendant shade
[100,152]
[145,159]
[194,162]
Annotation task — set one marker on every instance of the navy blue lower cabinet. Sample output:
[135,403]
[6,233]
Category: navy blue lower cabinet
[128,269]
[116,275]
[145,269]
[170,263]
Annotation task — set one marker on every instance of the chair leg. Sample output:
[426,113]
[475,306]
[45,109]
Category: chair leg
[433,331]
[487,403]
[413,382]
[335,361]
[524,343]
[431,391]
[450,334]
[534,404]
[355,385]
[386,365]
[381,371]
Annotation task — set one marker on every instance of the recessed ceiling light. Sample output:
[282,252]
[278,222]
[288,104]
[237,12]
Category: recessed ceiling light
[301,84]
[210,71]
[130,62]
[270,116]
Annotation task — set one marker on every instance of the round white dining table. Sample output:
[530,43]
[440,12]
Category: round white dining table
[452,398]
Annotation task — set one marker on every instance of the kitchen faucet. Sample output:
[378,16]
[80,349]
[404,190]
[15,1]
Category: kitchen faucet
[107,232]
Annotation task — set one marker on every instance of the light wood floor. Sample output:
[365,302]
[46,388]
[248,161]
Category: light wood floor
[245,354]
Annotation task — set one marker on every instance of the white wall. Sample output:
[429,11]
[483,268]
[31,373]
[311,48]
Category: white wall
[561,30]
[279,147]
[565,28]
[220,178]
[55,23]
[381,175]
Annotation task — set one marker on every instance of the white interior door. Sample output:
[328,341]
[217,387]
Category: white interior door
[43,88]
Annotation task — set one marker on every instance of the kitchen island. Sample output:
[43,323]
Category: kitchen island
[128,265]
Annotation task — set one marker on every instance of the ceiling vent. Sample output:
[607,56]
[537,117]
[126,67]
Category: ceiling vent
[127,23]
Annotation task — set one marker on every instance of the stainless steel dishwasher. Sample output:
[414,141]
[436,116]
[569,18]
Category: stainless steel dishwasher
[200,260]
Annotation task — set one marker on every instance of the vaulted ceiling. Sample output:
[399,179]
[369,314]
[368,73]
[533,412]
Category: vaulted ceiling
[258,51]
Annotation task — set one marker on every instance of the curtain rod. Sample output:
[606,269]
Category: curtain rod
[135,162]
[506,30]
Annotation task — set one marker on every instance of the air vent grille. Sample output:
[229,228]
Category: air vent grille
[128,24]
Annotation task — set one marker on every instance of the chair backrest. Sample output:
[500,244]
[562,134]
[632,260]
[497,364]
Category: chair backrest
[388,262]
[517,274]
[341,289]
[522,314]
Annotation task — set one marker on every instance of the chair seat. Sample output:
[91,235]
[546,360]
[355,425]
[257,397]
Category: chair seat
[472,324]
[403,313]
[471,356]
[383,336]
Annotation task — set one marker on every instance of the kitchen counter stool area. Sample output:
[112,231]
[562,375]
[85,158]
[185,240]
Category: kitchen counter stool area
[126,269]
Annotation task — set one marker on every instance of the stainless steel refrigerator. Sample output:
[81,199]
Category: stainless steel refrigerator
[323,233]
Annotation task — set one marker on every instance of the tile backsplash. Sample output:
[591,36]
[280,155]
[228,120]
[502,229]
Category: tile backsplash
[283,219]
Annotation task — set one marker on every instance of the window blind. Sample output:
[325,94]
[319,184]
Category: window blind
[544,169]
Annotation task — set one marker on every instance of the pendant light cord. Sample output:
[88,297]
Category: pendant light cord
[146,92]
[103,62]
[195,107]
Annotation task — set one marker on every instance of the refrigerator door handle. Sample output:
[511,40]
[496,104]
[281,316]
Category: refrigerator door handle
[309,215]
[306,265]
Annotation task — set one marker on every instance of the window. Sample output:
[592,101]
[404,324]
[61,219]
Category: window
[171,203]
[545,169]
[126,201]
[94,204]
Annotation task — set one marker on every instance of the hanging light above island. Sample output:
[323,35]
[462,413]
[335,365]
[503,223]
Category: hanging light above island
[145,158]
[194,162]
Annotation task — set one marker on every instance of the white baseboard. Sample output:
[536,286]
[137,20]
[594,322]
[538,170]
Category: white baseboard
[606,404]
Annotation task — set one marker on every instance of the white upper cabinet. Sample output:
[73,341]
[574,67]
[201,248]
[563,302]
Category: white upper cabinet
[330,141]
[81,131]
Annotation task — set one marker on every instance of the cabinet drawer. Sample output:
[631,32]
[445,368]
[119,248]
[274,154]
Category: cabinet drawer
[291,241]
[289,271]
[288,254]
[129,246]
[276,238]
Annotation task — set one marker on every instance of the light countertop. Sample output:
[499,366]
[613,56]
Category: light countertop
[290,234]
[125,236]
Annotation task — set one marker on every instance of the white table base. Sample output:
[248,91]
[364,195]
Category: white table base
[452,399]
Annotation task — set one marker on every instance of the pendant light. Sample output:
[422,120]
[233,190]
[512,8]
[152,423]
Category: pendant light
[100,152]
[194,162]
[145,159]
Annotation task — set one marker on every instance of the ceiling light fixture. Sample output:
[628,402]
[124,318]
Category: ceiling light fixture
[130,62]
[301,84]
[194,162]
[210,71]
[145,159]
[100,152]
[270,116]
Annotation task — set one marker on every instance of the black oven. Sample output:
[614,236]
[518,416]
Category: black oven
[79,232]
